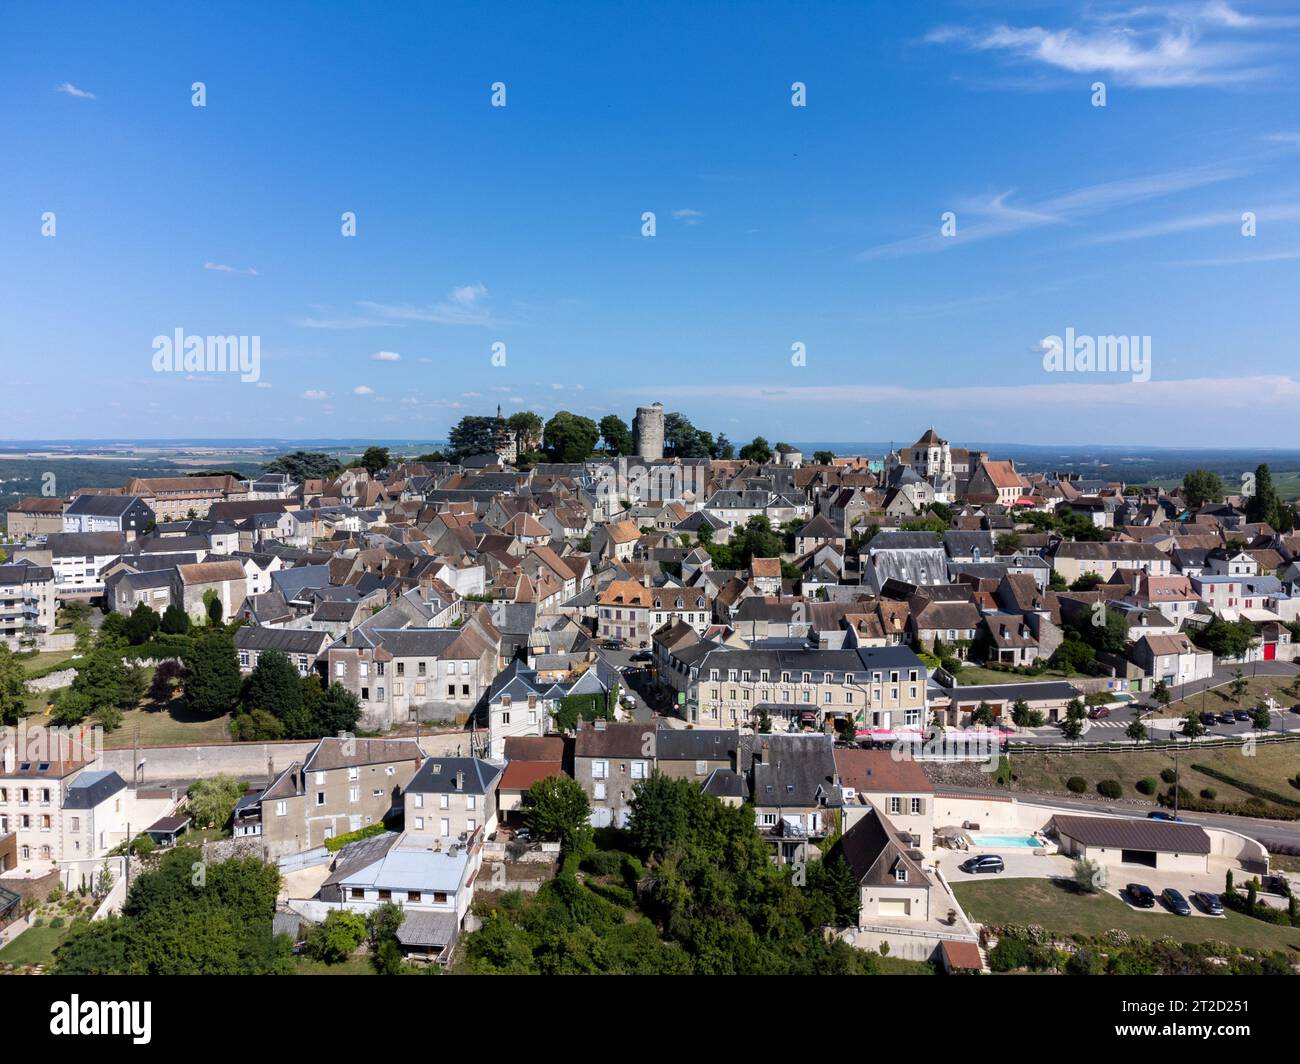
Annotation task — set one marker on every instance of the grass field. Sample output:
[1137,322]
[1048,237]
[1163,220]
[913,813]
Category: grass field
[170,726]
[36,945]
[1273,766]
[46,658]
[1054,906]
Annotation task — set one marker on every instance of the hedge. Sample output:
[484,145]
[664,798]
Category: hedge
[1249,788]
[339,841]
[1076,784]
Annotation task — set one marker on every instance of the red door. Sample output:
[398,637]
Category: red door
[1270,651]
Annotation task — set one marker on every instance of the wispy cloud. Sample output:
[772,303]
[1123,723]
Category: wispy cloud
[312,393]
[221,267]
[979,220]
[1150,46]
[386,356]
[363,389]
[462,306]
[69,89]
[688,216]
[1236,393]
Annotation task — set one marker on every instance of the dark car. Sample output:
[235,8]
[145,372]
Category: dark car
[1160,814]
[1140,896]
[1296,708]
[1240,714]
[1209,719]
[1227,718]
[988,862]
[1208,902]
[642,655]
[1100,713]
[1175,902]
[612,644]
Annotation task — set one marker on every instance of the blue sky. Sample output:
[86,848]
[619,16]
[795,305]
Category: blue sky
[775,225]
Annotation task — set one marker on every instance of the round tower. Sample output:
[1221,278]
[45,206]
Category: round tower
[648,431]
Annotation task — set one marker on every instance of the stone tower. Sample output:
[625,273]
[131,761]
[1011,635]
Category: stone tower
[648,431]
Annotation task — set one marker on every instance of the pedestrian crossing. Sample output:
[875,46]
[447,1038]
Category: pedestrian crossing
[1107,724]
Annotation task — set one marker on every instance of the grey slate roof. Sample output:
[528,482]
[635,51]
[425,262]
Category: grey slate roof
[438,776]
[91,788]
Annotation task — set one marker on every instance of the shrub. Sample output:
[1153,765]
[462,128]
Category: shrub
[57,922]
[1009,954]
[603,863]
[1147,786]
[1110,789]
[1209,793]
[1168,775]
[1076,784]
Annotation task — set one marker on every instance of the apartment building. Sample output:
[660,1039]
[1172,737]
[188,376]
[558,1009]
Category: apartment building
[873,687]
[34,517]
[176,498]
[60,811]
[127,514]
[630,611]
[608,761]
[78,559]
[27,605]
[1072,560]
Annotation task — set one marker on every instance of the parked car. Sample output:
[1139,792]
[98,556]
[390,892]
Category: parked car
[1099,713]
[642,655]
[612,644]
[523,835]
[1209,719]
[1175,902]
[986,862]
[1160,814]
[1140,895]
[1209,903]
[1227,718]
[1240,714]
[1296,708]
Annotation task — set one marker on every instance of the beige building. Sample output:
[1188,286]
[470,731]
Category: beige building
[343,786]
[1156,844]
[226,580]
[899,788]
[892,885]
[1075,559]
[35,516]
[175,498]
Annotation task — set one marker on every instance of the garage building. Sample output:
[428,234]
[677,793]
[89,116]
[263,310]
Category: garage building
[1153,843]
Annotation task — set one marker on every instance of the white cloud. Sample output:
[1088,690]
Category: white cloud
[69,89]
[462,306]
[221,267]
[363,389]
[1152,46]
[688,216]
[264,384]
[313,393]
[386,356]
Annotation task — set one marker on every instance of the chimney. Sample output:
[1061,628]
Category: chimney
[1137,580]
[460,779]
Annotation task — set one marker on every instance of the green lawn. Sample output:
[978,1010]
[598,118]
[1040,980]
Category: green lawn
[169,726]
[45,659]
[1054,906]
[976,674]
[351,966]
[36,945]
[898,966]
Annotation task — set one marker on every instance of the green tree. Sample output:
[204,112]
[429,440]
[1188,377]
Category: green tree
[1071,728]
[1264,505]
[275,686]
[1192,726]
[823,457]
[556,808]
[1137,731]
[256,725]
[616,434]
[337,937]
[570,437]
[528,429]
[337,712]
[142,625]
[374,459]
[303,465]
[13,687]
[212,673]
[473,434]
[757,450]
[212,801]
[175,621]
[1161,693]
[1200,486]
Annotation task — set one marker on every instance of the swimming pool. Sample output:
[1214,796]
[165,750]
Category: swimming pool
[1006,841]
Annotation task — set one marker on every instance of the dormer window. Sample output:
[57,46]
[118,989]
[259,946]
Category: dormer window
[900,874]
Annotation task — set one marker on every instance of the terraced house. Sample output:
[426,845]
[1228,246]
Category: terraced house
[343,785]
[632,612]
[410,674]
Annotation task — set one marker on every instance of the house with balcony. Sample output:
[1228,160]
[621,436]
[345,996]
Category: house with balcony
[451,798]
[27,605]
[795,791]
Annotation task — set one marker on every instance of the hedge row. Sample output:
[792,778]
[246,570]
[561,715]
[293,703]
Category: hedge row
[1249,788]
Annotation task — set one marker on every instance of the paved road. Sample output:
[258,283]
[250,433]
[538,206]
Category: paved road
[1269,832]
